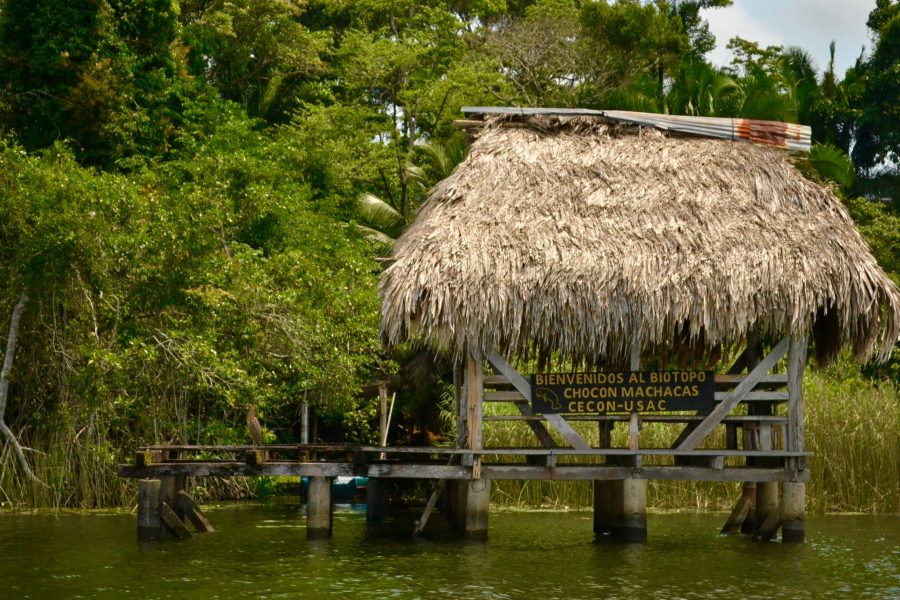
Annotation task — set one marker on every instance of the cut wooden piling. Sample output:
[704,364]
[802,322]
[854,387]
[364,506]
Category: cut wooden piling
[376,501]
[149,522]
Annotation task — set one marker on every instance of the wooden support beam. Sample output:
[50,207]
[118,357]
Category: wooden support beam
[474,406]
[734,397]
[741,509]
[192,512]
[429,506]
[795,439]
[524,387]
[175,525]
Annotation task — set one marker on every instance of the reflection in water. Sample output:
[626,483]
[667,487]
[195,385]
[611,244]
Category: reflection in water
[261,551]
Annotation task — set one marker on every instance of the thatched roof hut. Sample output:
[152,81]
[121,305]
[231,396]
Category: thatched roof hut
[568,234]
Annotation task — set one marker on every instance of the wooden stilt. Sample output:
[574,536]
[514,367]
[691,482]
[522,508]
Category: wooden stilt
[793,506]
[741,509]
[319,509]
[794,491]
[376,501]
[750,523]
[602,514]
[628,498]
[767,514]
[149,520]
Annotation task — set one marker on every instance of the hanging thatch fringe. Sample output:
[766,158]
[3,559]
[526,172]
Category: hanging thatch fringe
[565,235]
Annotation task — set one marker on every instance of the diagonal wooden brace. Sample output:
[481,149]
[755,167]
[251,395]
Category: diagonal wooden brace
[524,388]
[735,396]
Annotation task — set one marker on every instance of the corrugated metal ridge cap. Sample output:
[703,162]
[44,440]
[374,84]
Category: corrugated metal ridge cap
[772,133]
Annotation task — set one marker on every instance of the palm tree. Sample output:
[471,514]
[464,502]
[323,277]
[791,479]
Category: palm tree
[384,219]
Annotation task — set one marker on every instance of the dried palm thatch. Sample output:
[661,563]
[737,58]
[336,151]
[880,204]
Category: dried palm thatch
[568,235]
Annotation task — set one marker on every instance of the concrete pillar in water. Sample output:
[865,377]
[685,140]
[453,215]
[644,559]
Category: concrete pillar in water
[766,500]
[319,510]
[602,514]
[469,504]
[478,506]
[376,501]
[628,508]
[149,521]
[793,520]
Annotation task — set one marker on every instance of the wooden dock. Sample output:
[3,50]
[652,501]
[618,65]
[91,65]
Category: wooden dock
[760,409]
[565,464]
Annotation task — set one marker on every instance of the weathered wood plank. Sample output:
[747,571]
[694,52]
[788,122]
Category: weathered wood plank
[175,525]
[796,362]
[192,511]
[144,458]
[537,427]
[607,472]
[565,430]
[429,506]
[523,386]
[736,378]
[513,376]
[741,509]
[755,396]
[734,397]
[256,457]
[474,391]
[496,381]
[505,396]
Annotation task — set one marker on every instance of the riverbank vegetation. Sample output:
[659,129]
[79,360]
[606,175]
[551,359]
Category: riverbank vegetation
[195,194]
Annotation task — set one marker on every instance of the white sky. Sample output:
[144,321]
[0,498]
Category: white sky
[810,24]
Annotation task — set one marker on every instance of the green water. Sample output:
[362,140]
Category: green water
[260,551]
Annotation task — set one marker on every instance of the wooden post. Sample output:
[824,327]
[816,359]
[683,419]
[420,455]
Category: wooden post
[304,420]
[459,395]
[382,413]
[149,521]
[627,499]
[793,499]
[319,510]
[742,509]
[602,513]
[474,396]
[478,492]
[766,504]
[376,501]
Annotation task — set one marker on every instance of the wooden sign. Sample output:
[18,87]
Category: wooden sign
[622,391]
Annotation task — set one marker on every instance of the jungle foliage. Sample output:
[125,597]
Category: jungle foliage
[191,190]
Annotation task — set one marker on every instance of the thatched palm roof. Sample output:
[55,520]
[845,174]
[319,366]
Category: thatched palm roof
[566,235]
